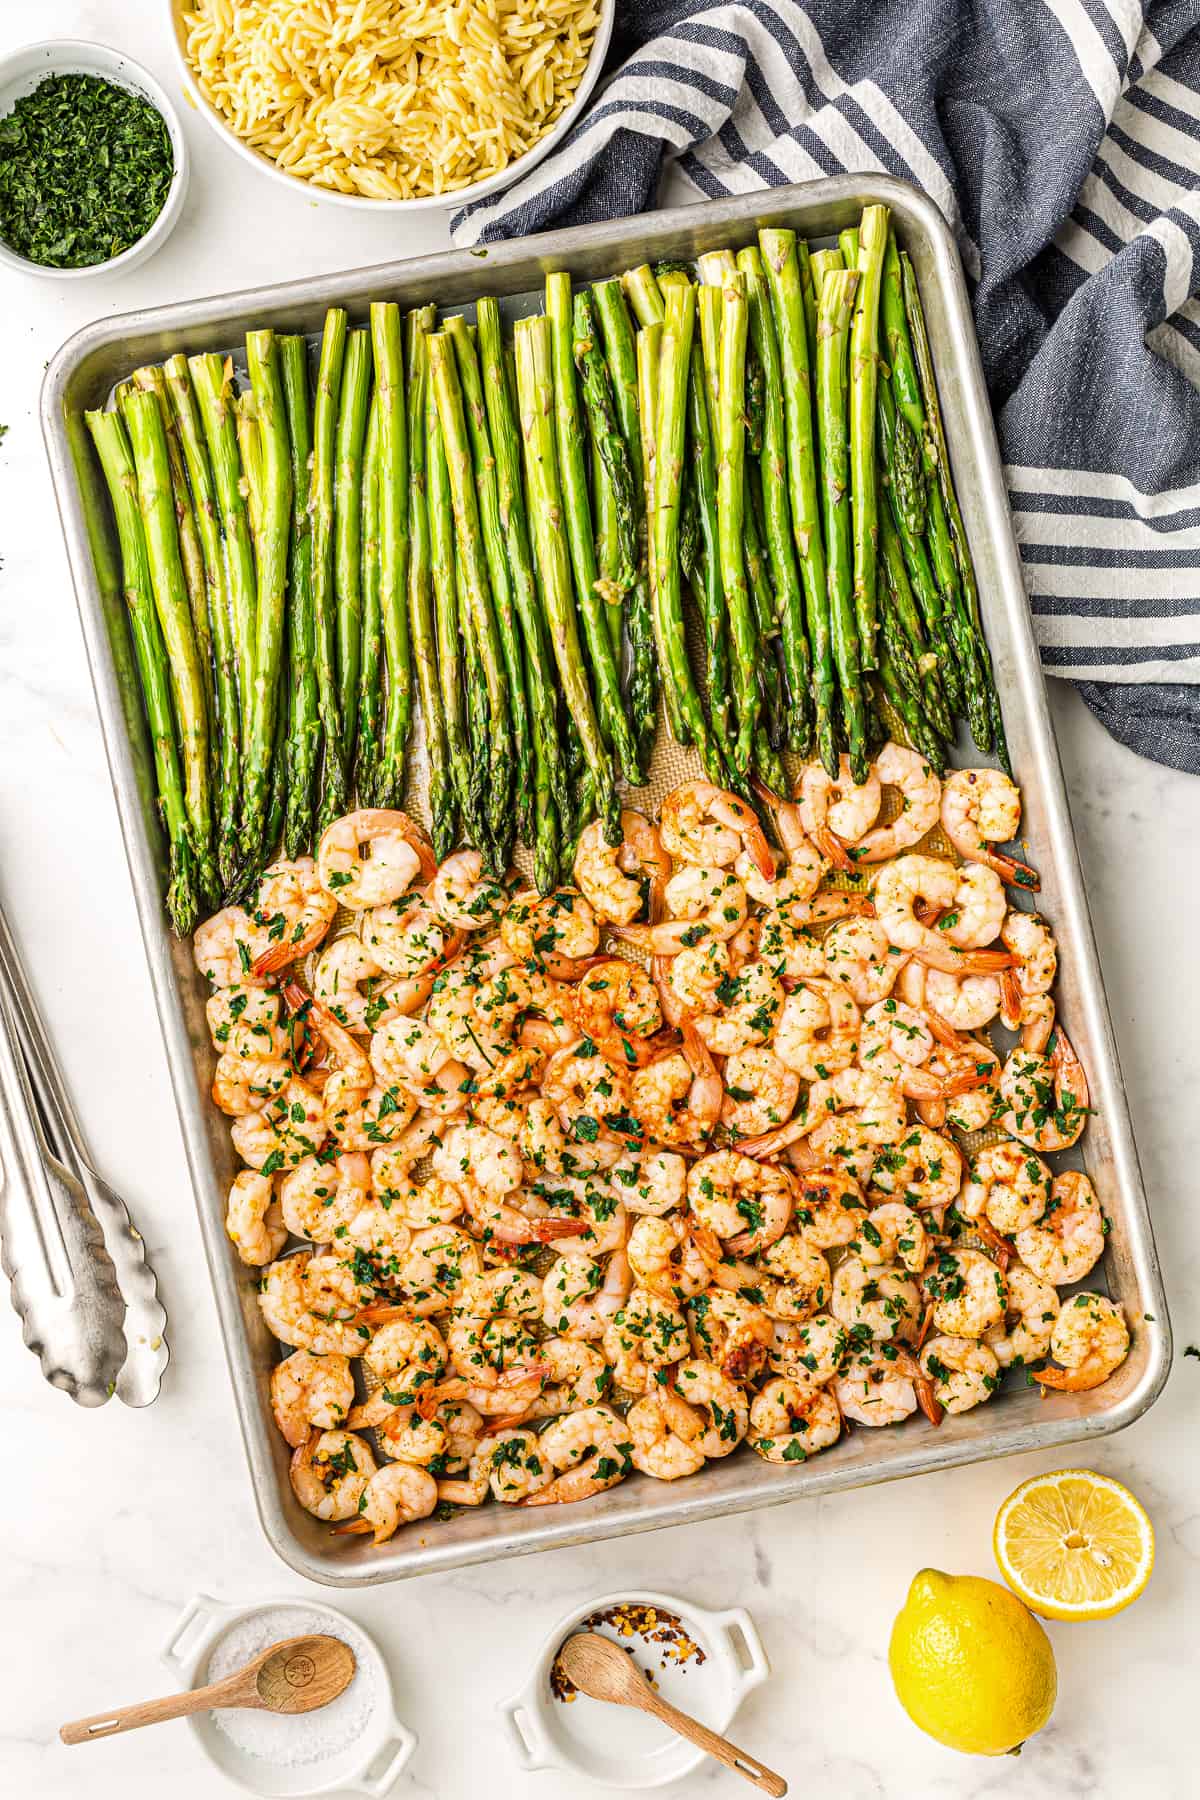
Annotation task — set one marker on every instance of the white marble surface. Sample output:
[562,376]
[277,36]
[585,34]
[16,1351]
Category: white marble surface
[111,1520]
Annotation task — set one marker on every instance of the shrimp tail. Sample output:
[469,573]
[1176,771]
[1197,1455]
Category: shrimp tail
[1071,1381]
[963,962]
[1013,872]
[929,1404]
[355,1527]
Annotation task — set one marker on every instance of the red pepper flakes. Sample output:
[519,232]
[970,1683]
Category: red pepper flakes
[649,1624]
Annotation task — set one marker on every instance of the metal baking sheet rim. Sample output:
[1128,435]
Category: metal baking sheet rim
[98,354]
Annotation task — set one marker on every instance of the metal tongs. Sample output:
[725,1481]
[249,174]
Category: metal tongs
[86,1295]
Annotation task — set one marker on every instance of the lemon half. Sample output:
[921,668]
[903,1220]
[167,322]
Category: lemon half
[1074,1544]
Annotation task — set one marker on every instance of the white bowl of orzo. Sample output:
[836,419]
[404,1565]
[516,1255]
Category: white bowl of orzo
[393,104]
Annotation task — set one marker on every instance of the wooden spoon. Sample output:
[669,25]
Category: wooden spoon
[602,1669]
[294,1676]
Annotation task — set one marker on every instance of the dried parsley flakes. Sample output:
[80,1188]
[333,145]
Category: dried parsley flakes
[84,171]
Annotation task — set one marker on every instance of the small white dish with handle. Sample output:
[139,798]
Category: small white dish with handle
[617,1745]
[370,1765]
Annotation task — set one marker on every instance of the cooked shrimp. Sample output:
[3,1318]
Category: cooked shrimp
[893,1233]
[651,1184]
[476,1153]
[622,880]
[810,1351]
[592,1450]
[859,955]
[920,798]
[1008,1183]
[877,1298]
[406,1051]
[657,1451]
[697,897]
[923,1169]
[290,1128]
[397,852]
[319,1198]
[1090,1340]
[517,1466]
[1024,1334]
[739,1199]
[330,1471]
[242,1016]
[966,1003]
[464,897]
[672,1257]
[968,1292]
[555,935]
[790,1422]
[964,1372]
[253,1219]
[398,1494]
[791,948]
[616,1004]
[310,1393]
[706,825]
[796,884]
[817,1033]
[704,1407]
[982,807]
[293,911]
[878,1388]
[1045,1095]
[838,813]
[315,1303]
[348,979]
[730,1331]
[749,1009]
[677,1098]
[795,1278]
[575,1376]
[407,938]
[439,1263]
[1067,1242]
[830,1207]
[646,1333]
[696,976]
[1025,985]
[586,1092]
[227,947]
[760,1091]
[913,884]
[406,1356]
[979,908]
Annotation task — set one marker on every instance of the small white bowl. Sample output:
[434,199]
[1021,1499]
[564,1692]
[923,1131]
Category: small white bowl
[368,1766]
[615,1744]
[477,190]
[26,68]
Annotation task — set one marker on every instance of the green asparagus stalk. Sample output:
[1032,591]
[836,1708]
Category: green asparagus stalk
[478,721]
[422,629]
[808,292]
[710,592]
[900,508]
[473,571]
[370,687]
[116,459]
[445,609]
[226,718]
[394,547]
[675,361]
[848,241]
[642,292]
[271,538]
[191,555]
[917,728]
[277,804]
[540,681]
[212,380]
[353,405]
[335,773]
[148,442]
[731,513]
[833,327]
[609,552]
[249,443]
[945,486]
[870,244]
[894,573]
[897,344]
[499,574]
[823,263]
[569,444]
[773,708]
[608,442]
[901,462]
[535,387]
[784,272]
[777,512]
[545,828]
[304,723]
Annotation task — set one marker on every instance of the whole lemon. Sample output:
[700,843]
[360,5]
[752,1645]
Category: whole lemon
[971,1665]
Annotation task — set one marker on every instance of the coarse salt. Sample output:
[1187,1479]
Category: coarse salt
[291,1739]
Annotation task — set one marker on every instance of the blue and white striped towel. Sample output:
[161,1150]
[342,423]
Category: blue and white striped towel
[1061,139]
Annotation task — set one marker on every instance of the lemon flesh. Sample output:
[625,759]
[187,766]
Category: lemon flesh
[1074,1545]
[971,1666]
